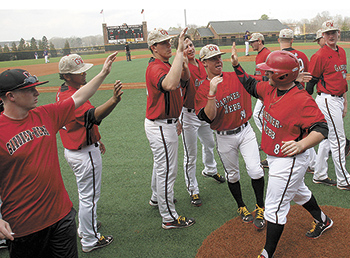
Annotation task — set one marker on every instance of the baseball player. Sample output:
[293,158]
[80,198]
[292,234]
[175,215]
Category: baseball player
[328,66]
[192,128]
[246,42]
[257,42]
[286,38]
[38,216]
[83,148]
[46,56]
[164,103]
[319,38]
[285,139]
[222,102]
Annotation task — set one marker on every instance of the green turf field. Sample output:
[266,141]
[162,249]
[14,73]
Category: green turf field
[127,167]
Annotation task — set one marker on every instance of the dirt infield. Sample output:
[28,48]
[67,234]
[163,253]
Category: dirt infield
[237,239]
[51,68]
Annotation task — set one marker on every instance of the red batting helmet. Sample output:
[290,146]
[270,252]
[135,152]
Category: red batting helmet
[283,64]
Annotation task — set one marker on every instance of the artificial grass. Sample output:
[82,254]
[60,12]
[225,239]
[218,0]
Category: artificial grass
[127,168]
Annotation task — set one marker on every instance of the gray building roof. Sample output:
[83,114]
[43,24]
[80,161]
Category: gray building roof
[232,27]
[205,32]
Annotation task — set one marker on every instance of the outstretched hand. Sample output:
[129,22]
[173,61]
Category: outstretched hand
[304,77]
[117,92]
[181,46]
[107,66]
[234,56]
[214,84]
[5,230]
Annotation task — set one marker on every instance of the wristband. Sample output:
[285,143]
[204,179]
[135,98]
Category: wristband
[211,96]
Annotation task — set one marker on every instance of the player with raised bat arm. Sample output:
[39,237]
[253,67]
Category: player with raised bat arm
[292,123]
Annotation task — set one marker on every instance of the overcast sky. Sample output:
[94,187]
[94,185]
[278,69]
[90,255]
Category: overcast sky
[83,18]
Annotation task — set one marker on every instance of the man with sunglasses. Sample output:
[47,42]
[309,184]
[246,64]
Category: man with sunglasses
[38,216]
[83,148]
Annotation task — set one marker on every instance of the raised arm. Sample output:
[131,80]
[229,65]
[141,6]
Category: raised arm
[172,79]
[248,82]
[86,92]
[106,108]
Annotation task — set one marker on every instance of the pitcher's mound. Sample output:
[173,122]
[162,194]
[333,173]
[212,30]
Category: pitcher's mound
[238,239]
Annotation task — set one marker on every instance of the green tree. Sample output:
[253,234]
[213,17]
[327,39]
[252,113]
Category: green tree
[53,50]
[264,17]
[40,45]
[66,49]
[6,49]
[45,42]
[21,45]
[13,46]
[33,45]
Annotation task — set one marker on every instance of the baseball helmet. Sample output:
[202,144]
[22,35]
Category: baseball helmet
[284,65]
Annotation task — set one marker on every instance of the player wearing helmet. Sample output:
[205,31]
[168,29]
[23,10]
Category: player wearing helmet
[285,139]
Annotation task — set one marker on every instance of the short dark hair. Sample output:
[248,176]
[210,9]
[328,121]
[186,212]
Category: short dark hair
[176,40]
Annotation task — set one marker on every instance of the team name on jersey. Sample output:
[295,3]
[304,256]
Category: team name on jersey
[23,137]
[272,121]
[224,103]
[198,83]
[339,68]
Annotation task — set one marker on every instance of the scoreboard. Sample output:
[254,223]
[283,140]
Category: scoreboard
[123,33]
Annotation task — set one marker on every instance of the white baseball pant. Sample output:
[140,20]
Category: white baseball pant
[245,142]
[192,128]
[332,107]
[258,114]
[285,184]
[321,166]
[163,139]
[86,164]
[247,48]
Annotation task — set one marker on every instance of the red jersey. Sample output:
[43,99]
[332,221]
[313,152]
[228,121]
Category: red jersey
[261,58]
[74,134]
[302,58]
[161,104]
[31,185]
[198,76]
[330,67]
[233,103]
[279,123]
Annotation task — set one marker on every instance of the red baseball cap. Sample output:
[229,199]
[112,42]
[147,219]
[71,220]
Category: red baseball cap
[14,79]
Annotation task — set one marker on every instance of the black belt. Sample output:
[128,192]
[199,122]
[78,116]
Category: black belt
[171,121]
[190,110]
[168,121]
[319,93]
[95,144]
[234,131]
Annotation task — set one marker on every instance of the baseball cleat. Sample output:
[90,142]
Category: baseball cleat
[318,228]
[310,170]
[246,216]
[264,164]
[345,187]
[220,179]
[102,242]
[347,148]
[259,221]
[326,181]
[180,222]
[196,200]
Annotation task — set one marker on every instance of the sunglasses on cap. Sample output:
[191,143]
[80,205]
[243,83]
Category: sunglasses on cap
[28,80]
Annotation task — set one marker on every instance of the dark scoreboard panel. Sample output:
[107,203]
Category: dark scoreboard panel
[125,32]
